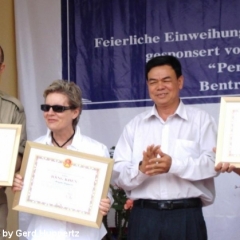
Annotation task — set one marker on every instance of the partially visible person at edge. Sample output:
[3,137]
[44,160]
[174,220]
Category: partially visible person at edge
[61,111]
[164,161]
[11,112]
[226,167]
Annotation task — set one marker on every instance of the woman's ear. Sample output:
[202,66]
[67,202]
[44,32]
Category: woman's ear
[76,112]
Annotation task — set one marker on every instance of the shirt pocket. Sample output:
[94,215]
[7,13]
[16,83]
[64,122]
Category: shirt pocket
[185,149]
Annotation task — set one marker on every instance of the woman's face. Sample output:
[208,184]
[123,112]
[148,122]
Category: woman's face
[59,122]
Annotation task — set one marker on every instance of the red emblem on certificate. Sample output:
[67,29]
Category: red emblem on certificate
[67,163]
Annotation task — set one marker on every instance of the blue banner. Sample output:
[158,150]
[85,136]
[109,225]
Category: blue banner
[106,44]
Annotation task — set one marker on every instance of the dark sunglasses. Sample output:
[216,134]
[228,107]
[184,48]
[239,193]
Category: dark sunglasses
[55,108]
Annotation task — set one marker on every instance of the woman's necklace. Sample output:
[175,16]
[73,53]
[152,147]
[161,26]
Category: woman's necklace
[64,143]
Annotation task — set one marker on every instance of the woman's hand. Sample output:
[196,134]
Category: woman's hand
[105,205]
[17,183]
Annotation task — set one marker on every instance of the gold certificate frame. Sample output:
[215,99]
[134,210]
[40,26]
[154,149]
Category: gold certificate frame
[9,144]
[228,147]
[63,184]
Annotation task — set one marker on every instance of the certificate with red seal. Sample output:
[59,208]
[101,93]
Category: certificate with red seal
[228,142]
[63,184]
[9,144]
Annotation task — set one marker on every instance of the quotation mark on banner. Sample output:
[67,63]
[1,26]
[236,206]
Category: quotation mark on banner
[212,65]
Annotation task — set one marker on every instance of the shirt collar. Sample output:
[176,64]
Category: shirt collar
[76,139]
[49,137]
[75,142]
[181,111]
[152,112]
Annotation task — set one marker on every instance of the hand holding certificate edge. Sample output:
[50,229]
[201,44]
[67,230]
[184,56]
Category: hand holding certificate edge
[17,183]
[105,205]
[226,167]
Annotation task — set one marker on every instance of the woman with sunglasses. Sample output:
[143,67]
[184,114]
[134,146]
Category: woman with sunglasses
[61,111]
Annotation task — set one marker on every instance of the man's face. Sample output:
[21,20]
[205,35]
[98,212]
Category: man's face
[164,86]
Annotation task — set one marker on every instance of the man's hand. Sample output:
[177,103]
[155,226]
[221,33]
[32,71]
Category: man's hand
[151,152]
[224,167]
[155,161]
[159,164]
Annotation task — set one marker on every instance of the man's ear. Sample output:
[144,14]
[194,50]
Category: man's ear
[2,67]
[180,82]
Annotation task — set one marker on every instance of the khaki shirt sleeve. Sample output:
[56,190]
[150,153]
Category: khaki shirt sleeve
[20,118]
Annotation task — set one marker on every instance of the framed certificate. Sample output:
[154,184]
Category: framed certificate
[9,144]
[228,142]
[63,184]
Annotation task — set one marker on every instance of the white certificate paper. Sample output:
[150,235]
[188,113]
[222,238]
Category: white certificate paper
[63,184]
[63,187]
[9,144]
[232,133]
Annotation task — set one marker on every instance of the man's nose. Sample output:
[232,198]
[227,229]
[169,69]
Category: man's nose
[160,84]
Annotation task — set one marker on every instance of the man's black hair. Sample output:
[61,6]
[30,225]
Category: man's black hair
[164,60]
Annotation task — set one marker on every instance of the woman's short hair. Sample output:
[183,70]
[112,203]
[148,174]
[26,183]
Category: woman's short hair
[71,91]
